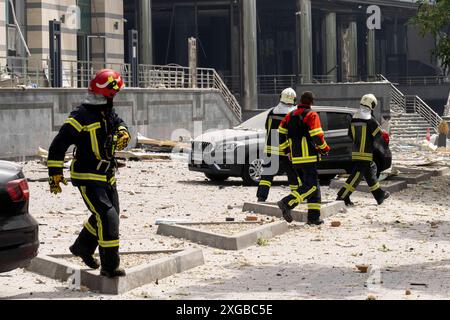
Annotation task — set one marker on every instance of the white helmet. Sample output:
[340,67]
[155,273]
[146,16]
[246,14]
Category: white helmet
[288,96]
[369,101]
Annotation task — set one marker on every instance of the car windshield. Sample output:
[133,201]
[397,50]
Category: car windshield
[256,123]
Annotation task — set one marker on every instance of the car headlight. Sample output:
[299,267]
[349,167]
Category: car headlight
[228,147]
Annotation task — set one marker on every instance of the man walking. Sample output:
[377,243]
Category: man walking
[96,131]
[302,137]
[277,160]
[364,130]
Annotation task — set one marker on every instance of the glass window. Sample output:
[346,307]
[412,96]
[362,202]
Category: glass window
[338,120]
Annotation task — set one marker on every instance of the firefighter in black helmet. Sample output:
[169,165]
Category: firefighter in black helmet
[277,160]
[96,131]
[364,130]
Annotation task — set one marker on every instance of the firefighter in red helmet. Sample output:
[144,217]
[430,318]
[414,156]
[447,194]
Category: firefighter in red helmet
[96,131]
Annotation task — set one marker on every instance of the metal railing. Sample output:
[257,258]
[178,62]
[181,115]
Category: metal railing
[412,104]
[152,76]
[227,95]
[77,74]
[18,71]
[428,80]
[416,105]
[36,73]
[274,84]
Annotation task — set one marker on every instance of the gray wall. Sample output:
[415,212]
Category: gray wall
[31,118]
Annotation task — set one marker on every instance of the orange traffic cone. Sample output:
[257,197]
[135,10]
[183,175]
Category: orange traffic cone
[428,135]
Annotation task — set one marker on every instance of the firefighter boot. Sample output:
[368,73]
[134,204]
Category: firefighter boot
[84,247]
[314,219]
[346,200]
[381,195]
[286,211]
[110,261]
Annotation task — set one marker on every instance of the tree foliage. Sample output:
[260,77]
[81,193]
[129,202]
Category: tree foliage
[433,17]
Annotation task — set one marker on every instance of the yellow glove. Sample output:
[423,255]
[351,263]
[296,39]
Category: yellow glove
[123,140]
[54,182]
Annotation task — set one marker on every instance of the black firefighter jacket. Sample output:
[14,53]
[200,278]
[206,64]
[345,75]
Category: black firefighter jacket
[91,129]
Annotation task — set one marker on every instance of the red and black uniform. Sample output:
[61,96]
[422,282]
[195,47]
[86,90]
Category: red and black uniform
[302,137]
[91,128]
[276,161]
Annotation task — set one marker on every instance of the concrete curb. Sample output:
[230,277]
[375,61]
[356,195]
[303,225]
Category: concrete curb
[412,178]
[237,242]
[386,185]
[56,268]
[271,209]
[435,171]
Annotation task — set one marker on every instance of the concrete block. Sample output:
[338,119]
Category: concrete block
[237,242]
[386,185]
[300,214]
[412,178]
[435,171]
[56,268]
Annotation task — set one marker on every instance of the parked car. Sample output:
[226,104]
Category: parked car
[238,152]
[19,241]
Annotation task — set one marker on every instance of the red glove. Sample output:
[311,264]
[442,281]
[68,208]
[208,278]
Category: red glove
[386,137]
[325,151]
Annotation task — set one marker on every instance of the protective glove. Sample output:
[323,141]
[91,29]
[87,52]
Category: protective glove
[54,182]
[325,152]
[123,138]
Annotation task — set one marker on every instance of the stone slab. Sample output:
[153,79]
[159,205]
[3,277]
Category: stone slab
[56,267]
[386,185]
[435,171]
[237,242]
[300,215]
[412,178]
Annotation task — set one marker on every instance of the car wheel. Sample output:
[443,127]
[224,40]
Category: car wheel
[216,177]
[252,172]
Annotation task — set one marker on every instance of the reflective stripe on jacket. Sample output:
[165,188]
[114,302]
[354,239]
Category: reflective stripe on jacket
[364,132]
[92,132]
[301,134]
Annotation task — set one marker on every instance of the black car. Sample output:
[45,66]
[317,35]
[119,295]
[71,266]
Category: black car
[238,152]
[19,241]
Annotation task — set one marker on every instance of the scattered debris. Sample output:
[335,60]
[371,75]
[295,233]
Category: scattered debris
[335,224]
[408,292]
[165,146]
[371,297]
[362,268]
[251,218]
[262,242]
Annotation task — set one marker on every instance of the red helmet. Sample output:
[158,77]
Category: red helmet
[107,83]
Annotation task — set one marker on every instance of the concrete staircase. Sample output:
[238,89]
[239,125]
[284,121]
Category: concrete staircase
[409,125]
[411,117]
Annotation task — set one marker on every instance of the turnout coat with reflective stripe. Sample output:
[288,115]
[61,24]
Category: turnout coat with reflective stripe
[92,133]
[364,132]
[301,134]
[273,122]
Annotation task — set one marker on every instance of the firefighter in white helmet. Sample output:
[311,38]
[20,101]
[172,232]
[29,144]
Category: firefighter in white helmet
[276,161]
[364,130]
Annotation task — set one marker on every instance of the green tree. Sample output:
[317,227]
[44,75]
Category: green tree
[434,17]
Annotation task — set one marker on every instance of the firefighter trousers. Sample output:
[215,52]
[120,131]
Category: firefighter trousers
[308,191]
[102,227]
[267,179]
[366,170]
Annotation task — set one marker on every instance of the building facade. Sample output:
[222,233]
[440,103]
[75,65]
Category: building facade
[257,46]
